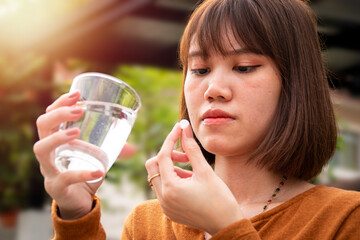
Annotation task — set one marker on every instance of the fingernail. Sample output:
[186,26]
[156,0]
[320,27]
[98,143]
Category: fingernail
[97,174]
[184,123]
[72,132]
[187,131]
[76,111]
[74,94]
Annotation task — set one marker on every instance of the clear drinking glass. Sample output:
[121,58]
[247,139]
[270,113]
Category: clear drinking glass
[110,109]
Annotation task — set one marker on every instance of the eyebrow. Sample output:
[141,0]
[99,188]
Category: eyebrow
[240,51]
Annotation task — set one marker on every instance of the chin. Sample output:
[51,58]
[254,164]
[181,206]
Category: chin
[226,148]
[216,148]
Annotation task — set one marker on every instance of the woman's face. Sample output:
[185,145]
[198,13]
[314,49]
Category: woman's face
[231,100]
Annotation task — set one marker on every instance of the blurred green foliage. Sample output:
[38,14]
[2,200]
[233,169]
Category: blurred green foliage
[159,90]
[18,110]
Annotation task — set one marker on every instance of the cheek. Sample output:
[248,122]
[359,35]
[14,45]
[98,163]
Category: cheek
[190,93]
[193,100]
[264,111]
[187,89]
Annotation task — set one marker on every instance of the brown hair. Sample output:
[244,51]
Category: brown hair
[303,134]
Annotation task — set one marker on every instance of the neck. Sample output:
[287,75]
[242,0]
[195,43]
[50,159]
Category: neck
[248,183]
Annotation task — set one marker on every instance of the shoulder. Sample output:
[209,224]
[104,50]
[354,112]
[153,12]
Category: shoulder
[147,221]
[148,208]
[332,201]
[339,210]
[319,202]
[148,213]
[324,194]
[319,213]
[149,204]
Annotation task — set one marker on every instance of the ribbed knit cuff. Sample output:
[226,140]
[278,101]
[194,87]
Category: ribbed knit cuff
[86,227]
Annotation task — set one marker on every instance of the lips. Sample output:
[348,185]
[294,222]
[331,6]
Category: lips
[216,117]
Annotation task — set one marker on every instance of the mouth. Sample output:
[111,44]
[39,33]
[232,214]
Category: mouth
[216,117]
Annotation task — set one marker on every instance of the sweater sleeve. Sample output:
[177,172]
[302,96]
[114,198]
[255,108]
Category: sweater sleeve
[242,229]
[87,227]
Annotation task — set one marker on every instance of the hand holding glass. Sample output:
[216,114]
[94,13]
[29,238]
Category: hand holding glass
[110,109]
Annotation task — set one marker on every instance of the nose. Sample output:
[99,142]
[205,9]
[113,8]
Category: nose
[218,90]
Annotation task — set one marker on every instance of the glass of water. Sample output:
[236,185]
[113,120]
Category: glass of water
[110,109]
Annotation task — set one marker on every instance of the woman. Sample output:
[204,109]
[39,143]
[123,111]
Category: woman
[256,96]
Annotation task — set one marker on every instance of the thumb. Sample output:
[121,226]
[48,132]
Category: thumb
[191,147]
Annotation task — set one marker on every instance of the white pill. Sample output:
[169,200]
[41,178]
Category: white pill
[184,123]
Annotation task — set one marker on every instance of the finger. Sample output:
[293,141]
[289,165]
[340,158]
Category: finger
[127,151]
[166,165]
[179,157]
[68,178]
[49,123]
[67,99]
[183,173]
[152,168]
[192,149]
[44,148]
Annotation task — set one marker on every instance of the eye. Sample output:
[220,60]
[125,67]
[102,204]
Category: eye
[245,69]
[200,71]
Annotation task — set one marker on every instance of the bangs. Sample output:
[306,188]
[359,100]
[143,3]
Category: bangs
[213,30]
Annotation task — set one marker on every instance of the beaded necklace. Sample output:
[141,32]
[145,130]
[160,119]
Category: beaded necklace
[277,190]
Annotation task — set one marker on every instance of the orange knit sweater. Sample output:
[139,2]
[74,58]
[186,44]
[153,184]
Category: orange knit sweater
[319,213]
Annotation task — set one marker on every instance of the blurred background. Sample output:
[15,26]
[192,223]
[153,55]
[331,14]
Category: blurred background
[44,44]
